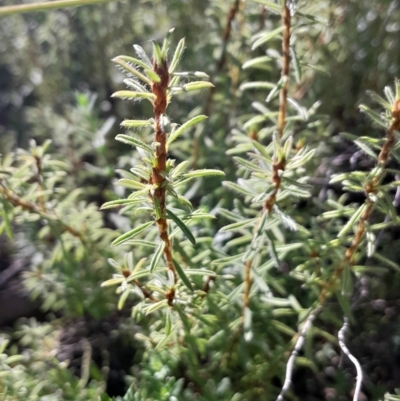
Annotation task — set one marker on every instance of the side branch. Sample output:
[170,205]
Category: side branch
[371,188]
[15,200]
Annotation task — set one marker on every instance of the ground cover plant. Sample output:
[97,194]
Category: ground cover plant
[210,214]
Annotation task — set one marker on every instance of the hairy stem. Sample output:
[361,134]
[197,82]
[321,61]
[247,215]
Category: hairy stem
[159,89]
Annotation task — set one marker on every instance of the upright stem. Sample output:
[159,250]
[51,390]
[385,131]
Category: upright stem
[279,164]
[285,69]
[159,89]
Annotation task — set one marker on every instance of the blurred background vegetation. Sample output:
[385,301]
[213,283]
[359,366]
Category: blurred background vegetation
[63,336]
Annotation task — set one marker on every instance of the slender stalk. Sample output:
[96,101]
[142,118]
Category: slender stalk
[35,7]
[346,351]
[285,69]
[160,103]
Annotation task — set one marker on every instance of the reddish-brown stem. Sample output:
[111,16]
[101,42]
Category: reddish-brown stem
[159,90]
[285,69]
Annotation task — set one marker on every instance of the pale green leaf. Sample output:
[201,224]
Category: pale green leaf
[132,233]
[178,132]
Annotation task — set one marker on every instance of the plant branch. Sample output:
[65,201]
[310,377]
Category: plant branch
[346,351]
[279,163]
[15,200]
[35,7]
[371,190]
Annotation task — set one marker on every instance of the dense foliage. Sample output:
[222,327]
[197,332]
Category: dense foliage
[238,240]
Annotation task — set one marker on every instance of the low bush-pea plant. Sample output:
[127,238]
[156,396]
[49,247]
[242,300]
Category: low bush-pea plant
[225,309]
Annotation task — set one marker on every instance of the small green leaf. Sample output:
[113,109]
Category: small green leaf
[296,64]
[130,140]
[238,225]
[133,60]
[272,248]
[157,55]
[344,302]
[199,272]
[182,226]
[136,123]
[178,132]
[256,62]
[152,75]
[118,202]
[183,276]
[282,327]
[228,259]
[366,149]
[352,221]
[131,70]
[112,281]
[256,85]
[177,55]
[347,281]
[130,234]
[380,100]
[157,256]
[132,184]
[374,116]
[203,173]
[267,37]
[274,91]
[197,85]
[123,298]
[168,322]
[133,95]
[158,305]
